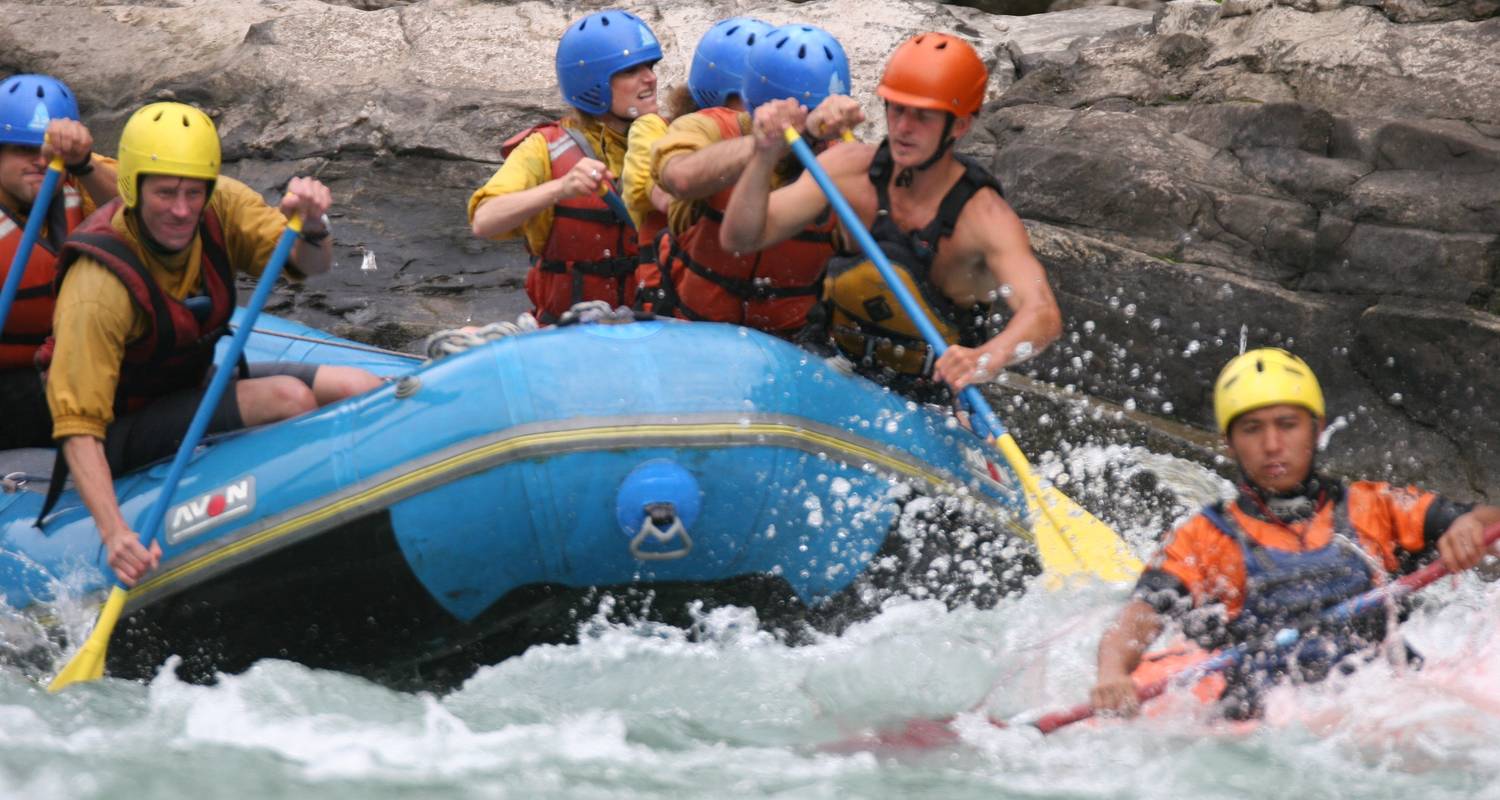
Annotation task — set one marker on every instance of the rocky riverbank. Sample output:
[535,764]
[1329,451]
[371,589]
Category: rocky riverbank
[1317,174]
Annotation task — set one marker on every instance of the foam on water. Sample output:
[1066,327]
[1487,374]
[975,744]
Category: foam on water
[639,710]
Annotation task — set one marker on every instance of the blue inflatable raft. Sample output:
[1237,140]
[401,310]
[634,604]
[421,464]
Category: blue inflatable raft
[487,500]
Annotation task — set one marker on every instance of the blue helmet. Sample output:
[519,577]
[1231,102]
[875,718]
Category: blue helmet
[28,103]
[718,70]
[594,48]
[798,61]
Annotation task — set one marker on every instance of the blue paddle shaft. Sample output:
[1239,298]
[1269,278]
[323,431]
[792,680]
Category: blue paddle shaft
[856,228]
[226,367]
[617,205]
[28,240]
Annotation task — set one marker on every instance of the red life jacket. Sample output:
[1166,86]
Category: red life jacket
[771,290]
[30,318]
[177,348]
[590,253]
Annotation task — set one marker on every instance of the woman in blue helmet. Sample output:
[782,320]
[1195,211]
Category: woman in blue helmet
[38,120]
[549,188]
[703,154]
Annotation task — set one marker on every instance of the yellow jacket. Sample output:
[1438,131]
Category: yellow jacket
[96,317]
[637,181]
[529,166]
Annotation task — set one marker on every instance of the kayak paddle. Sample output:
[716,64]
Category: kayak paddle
[928,733]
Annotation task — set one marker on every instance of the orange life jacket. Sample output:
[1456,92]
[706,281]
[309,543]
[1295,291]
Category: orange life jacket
[771,290]
[30,318]
[177,348]
[591,254]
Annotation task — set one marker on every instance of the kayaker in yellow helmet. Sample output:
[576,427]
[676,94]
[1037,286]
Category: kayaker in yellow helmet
[1291,544]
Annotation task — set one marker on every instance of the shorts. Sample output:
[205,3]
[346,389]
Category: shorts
[155,431]
[25,420]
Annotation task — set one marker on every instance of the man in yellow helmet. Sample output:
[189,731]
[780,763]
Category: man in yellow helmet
[147,286]
[1292,544]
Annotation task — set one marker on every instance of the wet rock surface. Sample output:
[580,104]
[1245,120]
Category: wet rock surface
[1315,174]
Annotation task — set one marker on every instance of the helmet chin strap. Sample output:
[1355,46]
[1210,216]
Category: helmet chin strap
[909,174]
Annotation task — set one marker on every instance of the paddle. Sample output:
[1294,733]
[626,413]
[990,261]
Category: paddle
[617,205]
[1070,540]
[88,663]
[928,733]
[29,236]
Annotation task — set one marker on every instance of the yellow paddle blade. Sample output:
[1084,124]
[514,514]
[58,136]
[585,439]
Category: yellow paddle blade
[1069,539]
[1072,541]
[88,662]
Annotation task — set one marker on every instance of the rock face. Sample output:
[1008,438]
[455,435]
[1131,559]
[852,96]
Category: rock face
[1320,177]
[1317,174]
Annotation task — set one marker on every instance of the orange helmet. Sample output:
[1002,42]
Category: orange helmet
[938,71]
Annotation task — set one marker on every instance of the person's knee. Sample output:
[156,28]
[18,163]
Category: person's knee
[332,384]
[275,398]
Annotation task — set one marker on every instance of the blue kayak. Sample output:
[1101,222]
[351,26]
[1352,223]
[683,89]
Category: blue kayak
[491,499]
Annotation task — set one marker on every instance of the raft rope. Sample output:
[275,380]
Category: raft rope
[457,340]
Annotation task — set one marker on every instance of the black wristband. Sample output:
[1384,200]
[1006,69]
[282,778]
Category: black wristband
[81,169]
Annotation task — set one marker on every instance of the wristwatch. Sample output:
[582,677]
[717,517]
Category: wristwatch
[317,237]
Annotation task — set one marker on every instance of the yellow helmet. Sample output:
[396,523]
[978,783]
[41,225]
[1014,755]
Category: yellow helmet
[167,139]
[1268,376]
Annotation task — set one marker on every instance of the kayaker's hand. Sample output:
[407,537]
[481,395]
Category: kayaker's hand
[835,115]
[127,557]
[1462,545]
[70,139]
[1115,696]
[771,121]
[309,197]
[584,178]
[961,366]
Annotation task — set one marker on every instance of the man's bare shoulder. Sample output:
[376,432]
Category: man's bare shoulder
[987,214]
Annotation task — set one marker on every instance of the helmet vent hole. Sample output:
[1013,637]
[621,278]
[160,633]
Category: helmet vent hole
[1260,366]
[780,43]
[14,87]
[40,94]
[157,118]
[750,41]
[732,31]
[802,51]
[941,45]
[828,53]
[583,25]
[604,21]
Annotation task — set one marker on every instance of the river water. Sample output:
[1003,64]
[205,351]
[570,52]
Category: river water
[727,710]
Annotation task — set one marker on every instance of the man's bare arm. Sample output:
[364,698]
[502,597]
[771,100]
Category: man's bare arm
[1036,322]
[704,173]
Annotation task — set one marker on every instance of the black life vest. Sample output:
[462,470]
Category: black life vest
[866,320]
